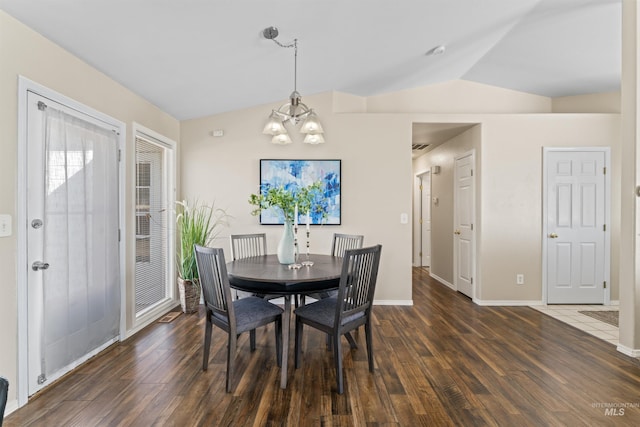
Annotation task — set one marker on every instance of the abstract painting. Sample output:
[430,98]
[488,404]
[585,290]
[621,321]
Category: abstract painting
[294,174]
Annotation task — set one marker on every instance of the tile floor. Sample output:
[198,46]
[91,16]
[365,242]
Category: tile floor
[569,314]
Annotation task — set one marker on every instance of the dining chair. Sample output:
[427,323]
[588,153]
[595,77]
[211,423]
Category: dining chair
[343,242]
[351,308]
[4,391]
[232,316]
[246,246]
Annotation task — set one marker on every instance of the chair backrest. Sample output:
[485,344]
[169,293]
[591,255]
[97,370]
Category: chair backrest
[248,245]
[342,242]
[357,282]
[4,391]
[212,271]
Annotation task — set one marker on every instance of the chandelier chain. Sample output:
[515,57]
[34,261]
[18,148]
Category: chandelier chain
[293,45]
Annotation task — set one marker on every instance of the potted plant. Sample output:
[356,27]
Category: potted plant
[197,223]
[289,201]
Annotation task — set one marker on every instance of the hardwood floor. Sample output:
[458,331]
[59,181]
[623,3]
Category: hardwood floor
[444,361]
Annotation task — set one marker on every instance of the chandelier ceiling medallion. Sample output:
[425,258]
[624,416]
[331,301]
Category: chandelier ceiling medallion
[295,111]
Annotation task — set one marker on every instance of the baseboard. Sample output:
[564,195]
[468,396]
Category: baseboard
[393,302]
[628,351]
[507,302]
[12,405]
[442,281]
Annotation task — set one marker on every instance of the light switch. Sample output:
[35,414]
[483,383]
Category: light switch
[5,225]
[404,218]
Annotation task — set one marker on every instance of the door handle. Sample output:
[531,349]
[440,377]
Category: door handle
[553,236]
[39,265]
[456,232]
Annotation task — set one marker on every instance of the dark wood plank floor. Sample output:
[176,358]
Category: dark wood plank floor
[444,361]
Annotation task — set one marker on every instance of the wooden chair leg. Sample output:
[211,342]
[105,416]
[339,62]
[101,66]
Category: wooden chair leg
[207,344]
[337,354]
[231,351]
[278,328]
[368,336]
[298,345]
[252,339]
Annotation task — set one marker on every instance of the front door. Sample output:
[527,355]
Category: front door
[73,287]
[464,216]
[576,226]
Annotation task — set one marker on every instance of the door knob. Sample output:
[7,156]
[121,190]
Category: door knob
[456,232]
[39,265]
[553,236]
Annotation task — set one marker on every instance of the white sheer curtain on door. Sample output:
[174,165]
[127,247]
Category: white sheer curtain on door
[81,289]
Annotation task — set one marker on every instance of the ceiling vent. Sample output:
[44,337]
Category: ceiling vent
[419,146]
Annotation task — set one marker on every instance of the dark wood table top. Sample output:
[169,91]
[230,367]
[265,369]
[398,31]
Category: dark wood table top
[265,274]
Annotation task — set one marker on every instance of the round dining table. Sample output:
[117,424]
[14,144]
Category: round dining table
[265,275]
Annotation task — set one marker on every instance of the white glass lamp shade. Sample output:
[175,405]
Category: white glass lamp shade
[311,124]
[274,126]
[281,139]
[314,139]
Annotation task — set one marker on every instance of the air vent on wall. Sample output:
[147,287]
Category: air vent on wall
[419,146]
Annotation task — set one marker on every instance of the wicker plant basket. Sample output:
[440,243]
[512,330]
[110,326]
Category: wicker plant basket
[189,295]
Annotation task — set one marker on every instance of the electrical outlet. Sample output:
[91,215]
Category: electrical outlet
[519,279]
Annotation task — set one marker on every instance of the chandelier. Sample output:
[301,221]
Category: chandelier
[294,111]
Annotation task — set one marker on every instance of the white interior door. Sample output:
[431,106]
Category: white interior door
[426,219]
[422,220]
[464,215]
[576,231]
[73,282]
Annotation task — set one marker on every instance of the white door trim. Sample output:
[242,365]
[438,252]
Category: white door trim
[140,321]
[418,259]
[607,213]
[474,281]
[25,85]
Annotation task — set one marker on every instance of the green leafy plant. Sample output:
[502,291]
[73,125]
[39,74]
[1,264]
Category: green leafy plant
[308,199]
[197,223]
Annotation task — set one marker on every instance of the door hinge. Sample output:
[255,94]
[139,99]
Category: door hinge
[420,186]
[604,227]
[119,155]
[605,284]
[420,220]
[471,226]
[420,253]
[471,172]
[472,280]
[118,234]
[604,170]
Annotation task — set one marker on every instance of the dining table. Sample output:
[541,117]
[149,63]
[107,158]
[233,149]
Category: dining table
[266,275]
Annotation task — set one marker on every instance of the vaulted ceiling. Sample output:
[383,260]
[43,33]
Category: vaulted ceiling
[194,58]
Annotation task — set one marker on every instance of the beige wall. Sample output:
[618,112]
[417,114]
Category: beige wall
[24,52]
[509,195]
[376,178]
[592,103]
[512,195]
[630,241]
